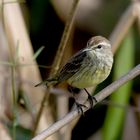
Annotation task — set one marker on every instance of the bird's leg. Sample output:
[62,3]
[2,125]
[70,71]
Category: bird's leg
[78,105]
[90,98]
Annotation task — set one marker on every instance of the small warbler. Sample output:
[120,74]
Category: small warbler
[88,67]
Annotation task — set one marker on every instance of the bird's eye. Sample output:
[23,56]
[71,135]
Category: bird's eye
[99,46]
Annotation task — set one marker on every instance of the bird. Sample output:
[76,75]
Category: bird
[87,68]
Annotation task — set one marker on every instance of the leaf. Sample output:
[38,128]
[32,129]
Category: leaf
[37,53]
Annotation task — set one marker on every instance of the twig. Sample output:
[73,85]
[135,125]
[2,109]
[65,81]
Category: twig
[14,102]
[64,39]
[99,97]
[138,15]
[124,25]
[59,54]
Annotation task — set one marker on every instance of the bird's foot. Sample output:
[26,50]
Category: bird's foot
[80,107]
[91,100]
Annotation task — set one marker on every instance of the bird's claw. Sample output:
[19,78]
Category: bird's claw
[80,109]
[91,100]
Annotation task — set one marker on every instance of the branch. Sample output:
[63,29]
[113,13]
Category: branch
[120,31]
[99,97]
[64,38]
[59,55]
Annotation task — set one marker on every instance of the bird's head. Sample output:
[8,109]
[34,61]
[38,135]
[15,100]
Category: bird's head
[99,46]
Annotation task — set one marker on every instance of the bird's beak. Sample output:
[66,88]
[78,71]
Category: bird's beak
[87,49]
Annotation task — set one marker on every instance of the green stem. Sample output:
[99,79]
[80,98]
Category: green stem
[14,101]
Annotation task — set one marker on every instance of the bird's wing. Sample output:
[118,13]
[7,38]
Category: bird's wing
[72,66]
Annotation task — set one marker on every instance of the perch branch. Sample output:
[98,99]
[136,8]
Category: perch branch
[99,97]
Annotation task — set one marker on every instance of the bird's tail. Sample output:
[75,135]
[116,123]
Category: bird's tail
[50,81]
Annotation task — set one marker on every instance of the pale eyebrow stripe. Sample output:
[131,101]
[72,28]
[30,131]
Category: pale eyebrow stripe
[104,43]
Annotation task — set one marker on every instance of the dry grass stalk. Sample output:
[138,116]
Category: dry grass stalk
[17,34]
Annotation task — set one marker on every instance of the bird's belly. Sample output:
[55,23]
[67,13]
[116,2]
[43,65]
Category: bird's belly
[87,78]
